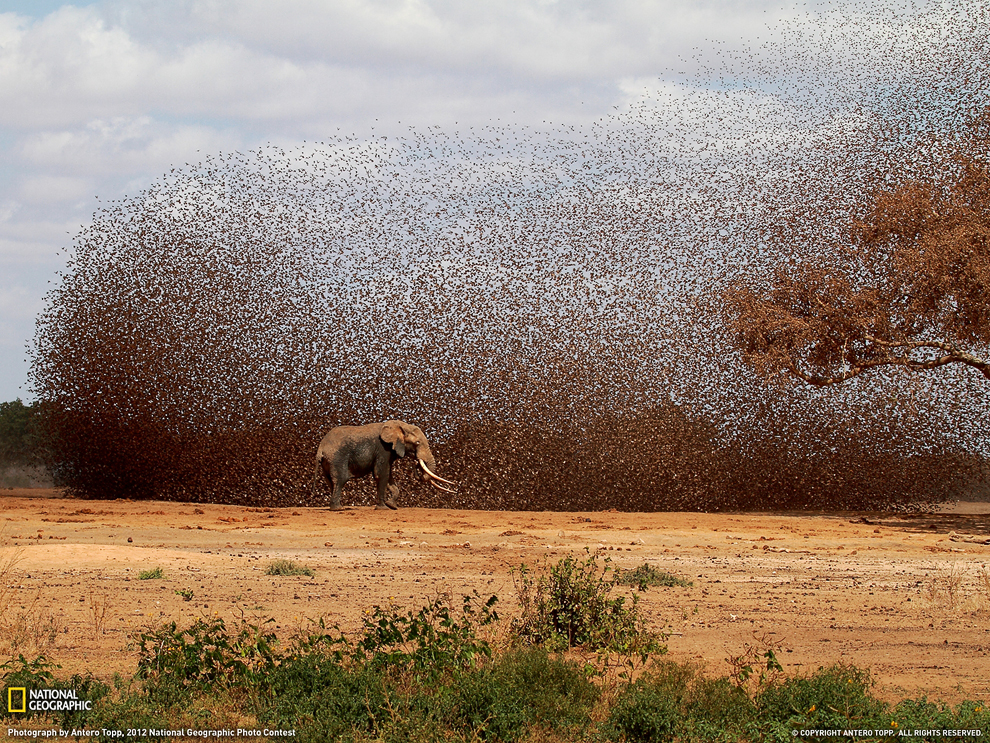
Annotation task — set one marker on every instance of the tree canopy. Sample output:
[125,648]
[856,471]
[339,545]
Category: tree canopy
[907,284]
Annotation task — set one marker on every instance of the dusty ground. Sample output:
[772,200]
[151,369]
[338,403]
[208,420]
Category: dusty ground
[896,594]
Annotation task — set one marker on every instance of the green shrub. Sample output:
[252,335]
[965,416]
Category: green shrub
[394,683]
[173,662]
[646,575]
[675,701]
[569,604]
[646,711]
[425,675]
[20,434]
[429,641]
[523,688]
[324,699]
[287,567]
[124,711]
[154,574]
[717,709]
[921,714]
[39,673]
[837,696]
[21,672]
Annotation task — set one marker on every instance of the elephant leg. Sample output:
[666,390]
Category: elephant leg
[338,489]
[393,493]
[385,485]
[337,485]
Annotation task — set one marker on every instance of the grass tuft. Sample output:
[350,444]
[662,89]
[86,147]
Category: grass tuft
[287,567]
[646,576]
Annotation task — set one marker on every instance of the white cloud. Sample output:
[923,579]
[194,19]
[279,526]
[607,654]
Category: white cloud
[558,41]
[298,62]
[72,66]
[120,146]
[7,210]
[66,61]
[52,189]
[17,303]
[35,242]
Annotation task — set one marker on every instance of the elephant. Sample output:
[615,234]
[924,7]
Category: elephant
[355,451]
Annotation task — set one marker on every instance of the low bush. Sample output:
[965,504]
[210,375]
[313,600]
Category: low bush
[838,696]
[427,675]
[173,663]
[676,701]
[23,672]
[40,674]
[396,682]
[644,712]
[326,700]
[646,575]
[570,604]
[524,688]
[427,642]
[921,714]
[717,709]
[287,567]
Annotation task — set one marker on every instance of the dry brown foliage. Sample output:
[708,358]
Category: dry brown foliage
[909,285]
[548,305]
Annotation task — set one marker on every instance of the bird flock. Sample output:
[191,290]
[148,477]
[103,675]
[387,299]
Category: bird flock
[545,302]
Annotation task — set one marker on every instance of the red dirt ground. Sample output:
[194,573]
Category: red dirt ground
[897,594]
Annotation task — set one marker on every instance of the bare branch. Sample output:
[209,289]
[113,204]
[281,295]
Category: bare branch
[905,361]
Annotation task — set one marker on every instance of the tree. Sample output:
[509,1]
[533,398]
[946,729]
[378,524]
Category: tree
[908,286]
[18,435]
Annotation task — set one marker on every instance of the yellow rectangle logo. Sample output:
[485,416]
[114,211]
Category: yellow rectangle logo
[11,697]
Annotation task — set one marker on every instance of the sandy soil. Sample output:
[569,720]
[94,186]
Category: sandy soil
[898,594]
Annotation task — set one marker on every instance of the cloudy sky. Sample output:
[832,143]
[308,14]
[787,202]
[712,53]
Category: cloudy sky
[99,99]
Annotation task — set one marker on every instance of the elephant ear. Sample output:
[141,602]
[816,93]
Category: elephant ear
[392,434]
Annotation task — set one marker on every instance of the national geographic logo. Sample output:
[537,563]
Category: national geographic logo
[22,699]
[17,699]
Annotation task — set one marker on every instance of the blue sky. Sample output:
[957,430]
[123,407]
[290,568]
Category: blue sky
[34,8]
[100,99]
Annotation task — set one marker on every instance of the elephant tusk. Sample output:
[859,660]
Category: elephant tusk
[441,487]
[435,477]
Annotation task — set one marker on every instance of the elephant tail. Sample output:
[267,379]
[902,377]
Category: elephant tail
[316,477]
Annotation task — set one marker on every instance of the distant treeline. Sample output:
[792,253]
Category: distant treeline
[20,437]
[23,450]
